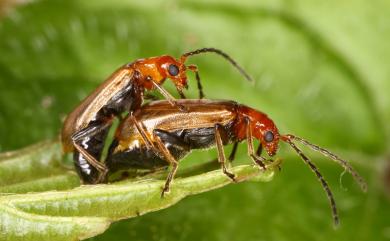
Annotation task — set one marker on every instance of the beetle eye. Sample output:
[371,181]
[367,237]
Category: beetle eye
[173,70]
[269,136]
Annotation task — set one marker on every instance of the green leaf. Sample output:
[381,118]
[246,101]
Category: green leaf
[88,210]
[321,71]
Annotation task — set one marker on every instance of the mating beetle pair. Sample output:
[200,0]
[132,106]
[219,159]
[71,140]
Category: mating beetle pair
[86,127]
[161,133]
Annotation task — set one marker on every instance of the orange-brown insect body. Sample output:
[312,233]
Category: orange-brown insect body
[158,135]
[201,114]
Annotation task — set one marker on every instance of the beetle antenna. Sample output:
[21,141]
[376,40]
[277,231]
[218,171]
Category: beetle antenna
[323,182]
[343,163]
[221,53]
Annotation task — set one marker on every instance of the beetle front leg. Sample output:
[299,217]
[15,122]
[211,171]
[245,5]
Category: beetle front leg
[169,97]
[194,69]
[270,161]
[258,160]
[221,153]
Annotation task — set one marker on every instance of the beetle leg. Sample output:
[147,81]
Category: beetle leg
[96,164]
[172,161]
[82,135]
[101,168]
[180,91]
[194,69]
[144,135]
[151,97]
[221,153]
[169,97]
[233,153]
[258,160]
[88,171]
[259,150]
[271,162]
[161,149]
[165,93]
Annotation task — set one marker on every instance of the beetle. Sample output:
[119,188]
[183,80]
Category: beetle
[159,135]
[86,127]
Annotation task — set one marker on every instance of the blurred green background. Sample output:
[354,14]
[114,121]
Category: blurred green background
[321,70]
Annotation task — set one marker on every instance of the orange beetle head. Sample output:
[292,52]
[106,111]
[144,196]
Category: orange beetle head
[173,69]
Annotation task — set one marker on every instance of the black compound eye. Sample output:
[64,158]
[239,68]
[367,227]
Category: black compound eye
[173,69]
[269,136]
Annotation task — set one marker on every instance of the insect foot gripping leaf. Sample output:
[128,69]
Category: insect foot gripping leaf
[87,211]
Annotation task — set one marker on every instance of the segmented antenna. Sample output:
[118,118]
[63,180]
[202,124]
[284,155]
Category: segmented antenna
[221,53]
[323,182]
[343,163]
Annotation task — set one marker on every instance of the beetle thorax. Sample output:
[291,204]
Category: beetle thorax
[148,70]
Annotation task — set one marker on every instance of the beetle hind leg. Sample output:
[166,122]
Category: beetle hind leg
[87,172]
[172,161]
[89,144]
[175,149]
